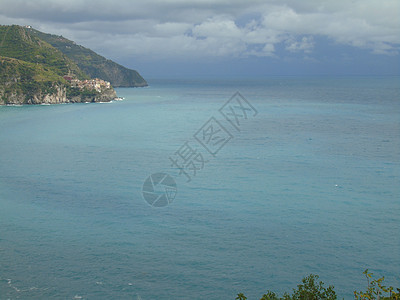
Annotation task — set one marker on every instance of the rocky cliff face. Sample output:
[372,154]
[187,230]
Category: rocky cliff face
[58,96]
[31,83]
[33,71]
[54,98]
[105,96]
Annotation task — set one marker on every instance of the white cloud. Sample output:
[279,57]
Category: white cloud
[365,24]
[306,44]
[188,28]
[219,27]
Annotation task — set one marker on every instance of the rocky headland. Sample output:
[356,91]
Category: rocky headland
[33,71]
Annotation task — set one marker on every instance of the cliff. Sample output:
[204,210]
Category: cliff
[27,83]
[32,71]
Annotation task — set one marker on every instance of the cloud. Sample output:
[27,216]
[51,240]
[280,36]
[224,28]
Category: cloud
[157,29]
[306,44]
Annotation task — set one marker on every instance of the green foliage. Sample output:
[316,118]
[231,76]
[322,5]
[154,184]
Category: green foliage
[270,296]
[72,92]
[31,68]
[91,63]
[17,42]
[240,296]
[24,78]
[376,289]
[310,289]
[84,95]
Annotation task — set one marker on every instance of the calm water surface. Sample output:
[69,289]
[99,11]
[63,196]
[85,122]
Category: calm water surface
[311,184]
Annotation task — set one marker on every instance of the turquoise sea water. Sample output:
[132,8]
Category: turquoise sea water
[311,184]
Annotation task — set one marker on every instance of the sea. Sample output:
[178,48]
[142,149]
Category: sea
[202,189]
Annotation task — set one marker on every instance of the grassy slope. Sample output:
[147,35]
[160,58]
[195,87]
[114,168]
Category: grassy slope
[31,67]
[16,42]
[92,63]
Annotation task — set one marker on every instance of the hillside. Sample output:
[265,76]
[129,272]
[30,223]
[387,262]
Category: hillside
[24,82]
[16,43]
[28,83]
[96,66]
[33,71]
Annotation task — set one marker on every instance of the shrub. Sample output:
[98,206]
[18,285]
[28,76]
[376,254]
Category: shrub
[311,290]
[376,290]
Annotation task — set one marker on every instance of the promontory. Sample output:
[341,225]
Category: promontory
[40,68]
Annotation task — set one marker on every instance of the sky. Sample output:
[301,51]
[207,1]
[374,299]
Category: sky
[226,38]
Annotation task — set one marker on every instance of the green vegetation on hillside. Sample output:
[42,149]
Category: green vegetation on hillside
[83,94]
[33,65]
[15,42]
[26,79]
[32,71]
[96,66]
